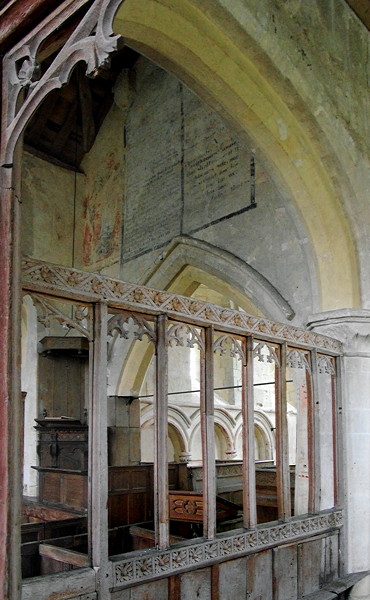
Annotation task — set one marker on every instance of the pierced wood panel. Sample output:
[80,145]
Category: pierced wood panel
[186,506]
[66,282]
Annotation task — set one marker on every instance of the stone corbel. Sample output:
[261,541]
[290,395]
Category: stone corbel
[350,326]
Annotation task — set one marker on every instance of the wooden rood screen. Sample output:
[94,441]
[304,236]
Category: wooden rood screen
[213,422]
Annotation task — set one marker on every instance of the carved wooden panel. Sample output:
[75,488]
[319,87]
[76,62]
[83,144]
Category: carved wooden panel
[62,445]
[62,487]
[131,498]
[186,506]
[130,570]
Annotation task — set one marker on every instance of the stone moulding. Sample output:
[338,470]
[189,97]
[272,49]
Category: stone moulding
[154,563]
[72,283]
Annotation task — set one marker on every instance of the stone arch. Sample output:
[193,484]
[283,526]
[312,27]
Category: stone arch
[264,436]
[225,420]
[176,443]
[147,439]
[223,441]
[212,55]
[261,446]
[179,426]
[178,430]
[227,268]
[195,441]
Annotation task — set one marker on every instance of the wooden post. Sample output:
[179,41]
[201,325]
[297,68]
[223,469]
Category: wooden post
[339,482]
[282,441]
[337,416]
[161,435]
[208,447]
[98,451]
[313,422]
[249,469]
[10,380]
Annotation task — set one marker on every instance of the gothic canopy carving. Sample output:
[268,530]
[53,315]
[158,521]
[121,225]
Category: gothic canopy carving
[28,80]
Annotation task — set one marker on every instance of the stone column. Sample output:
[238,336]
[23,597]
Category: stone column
[352,328]
[184,457]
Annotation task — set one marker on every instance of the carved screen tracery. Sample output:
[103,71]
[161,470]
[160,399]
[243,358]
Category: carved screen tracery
[92,42]
[182,405]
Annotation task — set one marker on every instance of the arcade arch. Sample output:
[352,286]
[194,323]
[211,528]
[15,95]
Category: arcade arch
[210,55]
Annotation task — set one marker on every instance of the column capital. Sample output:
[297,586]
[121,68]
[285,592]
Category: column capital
[351,326]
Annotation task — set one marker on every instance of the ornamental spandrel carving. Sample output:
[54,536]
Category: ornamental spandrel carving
[185,335]
[266,353]
[325,365]
[229,345]
[92,42]
[298,359]
[131,326]
[79,317]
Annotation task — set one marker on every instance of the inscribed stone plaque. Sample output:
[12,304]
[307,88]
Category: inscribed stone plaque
[185,167]
[216,166]
[153,170]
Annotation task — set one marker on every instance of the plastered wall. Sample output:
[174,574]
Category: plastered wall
[49,197]
[163,165]
[321,49]
[187,173]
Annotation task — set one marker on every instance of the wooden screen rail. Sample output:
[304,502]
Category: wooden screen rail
[148,534]
[71,557]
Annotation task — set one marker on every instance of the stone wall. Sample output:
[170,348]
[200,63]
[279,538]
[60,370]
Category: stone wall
[189,173]
[49,197]
[164,165]
[321,49]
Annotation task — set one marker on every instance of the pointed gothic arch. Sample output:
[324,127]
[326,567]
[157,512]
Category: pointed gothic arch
[206,50]
[241,279]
